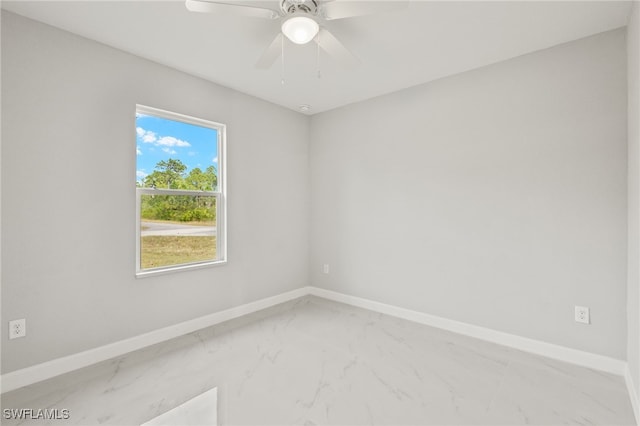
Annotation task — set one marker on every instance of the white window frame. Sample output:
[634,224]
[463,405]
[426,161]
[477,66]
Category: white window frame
[219,194]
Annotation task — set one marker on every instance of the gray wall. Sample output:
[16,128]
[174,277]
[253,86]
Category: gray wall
[68,195]
[633,274]
[496,197]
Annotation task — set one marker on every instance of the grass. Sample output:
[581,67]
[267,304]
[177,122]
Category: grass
[157,251]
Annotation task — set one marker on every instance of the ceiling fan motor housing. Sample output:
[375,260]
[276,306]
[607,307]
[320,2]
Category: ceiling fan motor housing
[289,7]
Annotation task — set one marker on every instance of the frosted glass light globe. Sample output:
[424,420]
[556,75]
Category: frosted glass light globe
[300,29]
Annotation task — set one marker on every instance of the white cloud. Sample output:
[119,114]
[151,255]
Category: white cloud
[171,141]
[141,174]
[215,160]
[147,136]
[138,150]
[150,137]
[166,142]
[169,151]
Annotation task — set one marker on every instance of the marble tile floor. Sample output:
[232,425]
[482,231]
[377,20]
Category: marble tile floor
[316,362]
[201,410]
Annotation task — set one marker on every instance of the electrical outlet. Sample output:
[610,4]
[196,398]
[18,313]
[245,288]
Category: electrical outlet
[582,314]
[17,328]
[325,268]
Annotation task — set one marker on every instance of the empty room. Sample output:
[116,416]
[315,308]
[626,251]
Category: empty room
[320,212]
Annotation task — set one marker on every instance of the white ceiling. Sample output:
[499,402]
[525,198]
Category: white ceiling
[425,41]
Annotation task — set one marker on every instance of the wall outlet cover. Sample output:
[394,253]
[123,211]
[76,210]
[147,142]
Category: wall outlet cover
[582,315]
[17,328]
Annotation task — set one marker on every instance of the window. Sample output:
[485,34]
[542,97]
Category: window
[180,192]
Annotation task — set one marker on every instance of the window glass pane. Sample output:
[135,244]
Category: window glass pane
[176,155]
[177,229]
[179,191]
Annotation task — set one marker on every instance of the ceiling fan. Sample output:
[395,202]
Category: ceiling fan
[301,22]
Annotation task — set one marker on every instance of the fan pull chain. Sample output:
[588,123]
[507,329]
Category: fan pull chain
[318,54]
[282,59]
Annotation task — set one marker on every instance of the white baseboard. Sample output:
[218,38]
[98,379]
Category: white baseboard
[46,370]
[562,353]
[633,394]
[49,369]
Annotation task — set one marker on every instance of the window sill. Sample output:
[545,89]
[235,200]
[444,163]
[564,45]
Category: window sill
[179,268]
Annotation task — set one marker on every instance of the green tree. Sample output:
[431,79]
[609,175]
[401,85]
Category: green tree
[171,174]
[202,181]
[167,174]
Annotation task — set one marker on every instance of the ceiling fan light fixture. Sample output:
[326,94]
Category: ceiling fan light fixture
[300,29]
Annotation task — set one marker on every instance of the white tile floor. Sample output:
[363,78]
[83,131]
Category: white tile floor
[312,361]
[198,411]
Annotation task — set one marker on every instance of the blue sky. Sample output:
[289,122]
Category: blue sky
[160,139]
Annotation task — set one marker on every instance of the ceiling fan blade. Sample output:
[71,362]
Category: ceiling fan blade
[350,9]
[272,53]
[237,9]
[330,44]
